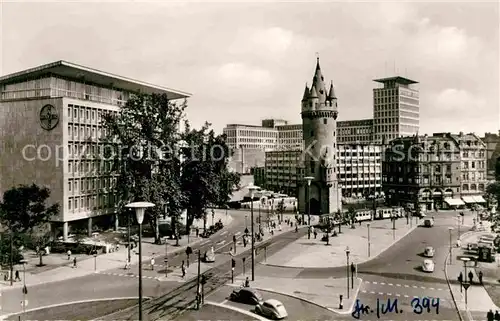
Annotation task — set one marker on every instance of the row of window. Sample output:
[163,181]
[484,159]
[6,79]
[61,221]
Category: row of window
[92,202]
[84,132]
[84,185]
[85,167]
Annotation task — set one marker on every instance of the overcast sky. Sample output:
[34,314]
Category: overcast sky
[250,60]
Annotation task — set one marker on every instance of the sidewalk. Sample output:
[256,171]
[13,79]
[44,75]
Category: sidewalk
[310,253]
[322,292]
[478,298]
[87,264]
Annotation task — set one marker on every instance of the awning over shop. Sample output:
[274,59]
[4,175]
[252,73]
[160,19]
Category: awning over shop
[468,199]
[479,199]
[453,201]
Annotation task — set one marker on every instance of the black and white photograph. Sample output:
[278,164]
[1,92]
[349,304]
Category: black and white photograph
[249,160]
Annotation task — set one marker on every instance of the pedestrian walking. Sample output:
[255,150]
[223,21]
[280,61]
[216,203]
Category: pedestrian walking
[471,276]
[152,264]
[69,255]
[74,262]
[480,276]
[183,268]
[127,265]
[244,241]
[247,284]
[279,227]
[197,231]
[315,234]
[490,316]
[497,316]
[17,278]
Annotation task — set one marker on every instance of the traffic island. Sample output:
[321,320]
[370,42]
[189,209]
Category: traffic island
[336,295]
[365,242]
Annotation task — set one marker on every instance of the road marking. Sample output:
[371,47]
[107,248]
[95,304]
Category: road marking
[389,293]
[224,302]
[204,242]
[431,288]
[407,286]
[398,284]
[415,287]
[390,284]
[237,233]
[374,282]
[406,296]
[363,291]
[372,292]
[223,233]
[397,294]
[382,283]
[423,287]
[380,293]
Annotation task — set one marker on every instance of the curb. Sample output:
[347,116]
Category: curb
[307,300]
[5,316]
[230,307]
[449,286]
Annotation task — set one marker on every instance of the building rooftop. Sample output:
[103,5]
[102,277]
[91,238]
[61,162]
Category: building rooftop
[74,71]
[397,79]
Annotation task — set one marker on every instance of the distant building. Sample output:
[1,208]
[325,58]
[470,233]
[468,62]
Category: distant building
[51,125]
[438,171]
[492,142]
[396,111]
[355,132]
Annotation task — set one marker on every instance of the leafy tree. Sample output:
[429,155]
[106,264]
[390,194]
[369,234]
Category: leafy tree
[24,208]
[143,139]
[205,179]
[25,214]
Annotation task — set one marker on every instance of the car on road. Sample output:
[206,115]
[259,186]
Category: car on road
[429,251]
[428,266]
[246,296]
[272,309]
[428,222]
[210,256]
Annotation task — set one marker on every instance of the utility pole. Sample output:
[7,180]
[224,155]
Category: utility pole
[198,292]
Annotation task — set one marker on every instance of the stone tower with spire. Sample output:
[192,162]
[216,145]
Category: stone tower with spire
[319,126]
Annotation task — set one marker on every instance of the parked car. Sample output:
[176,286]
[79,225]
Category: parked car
[210,256]
[246,296]
[272,309]
[428,266]
[429,222]
[429,251]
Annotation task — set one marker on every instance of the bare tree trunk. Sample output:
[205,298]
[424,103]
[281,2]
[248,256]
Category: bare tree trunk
[189,223]
[40,254]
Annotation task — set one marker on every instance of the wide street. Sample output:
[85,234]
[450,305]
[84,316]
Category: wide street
[117,283]
[394,275]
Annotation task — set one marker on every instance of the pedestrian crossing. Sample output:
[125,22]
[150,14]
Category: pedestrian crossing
[130,275]
[398,285]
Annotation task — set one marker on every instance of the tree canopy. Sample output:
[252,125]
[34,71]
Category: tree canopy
[24,208]
[155,162]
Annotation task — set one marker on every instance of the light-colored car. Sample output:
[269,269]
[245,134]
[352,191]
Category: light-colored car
[429,251]
[428,266]
[272,309]
[210,256]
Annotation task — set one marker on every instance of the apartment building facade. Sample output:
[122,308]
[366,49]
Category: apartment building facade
[51,130]
[492,142]
[434,172]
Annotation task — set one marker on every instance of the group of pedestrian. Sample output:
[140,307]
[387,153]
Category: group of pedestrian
[490,316]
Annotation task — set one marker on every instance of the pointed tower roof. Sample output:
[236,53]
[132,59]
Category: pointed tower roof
[331,92]
[306,93]
[313,93]
[318,82]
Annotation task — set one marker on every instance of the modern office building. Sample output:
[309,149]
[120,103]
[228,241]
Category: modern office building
[50,120]
[396,111]
[359,169]
[438,171]
[355,132]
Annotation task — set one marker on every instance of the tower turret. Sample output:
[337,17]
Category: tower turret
[319,114]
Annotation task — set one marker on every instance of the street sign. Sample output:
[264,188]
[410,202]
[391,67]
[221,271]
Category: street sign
[466,286]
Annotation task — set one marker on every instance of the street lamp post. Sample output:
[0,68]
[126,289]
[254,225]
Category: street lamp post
[458,225]
[252,191]
[465,284]
[140,208]
[25,289]
[347,251]
[128,236]
[308,179]
[368,225]
[450,229]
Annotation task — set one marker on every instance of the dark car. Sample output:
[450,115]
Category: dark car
[246,296]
